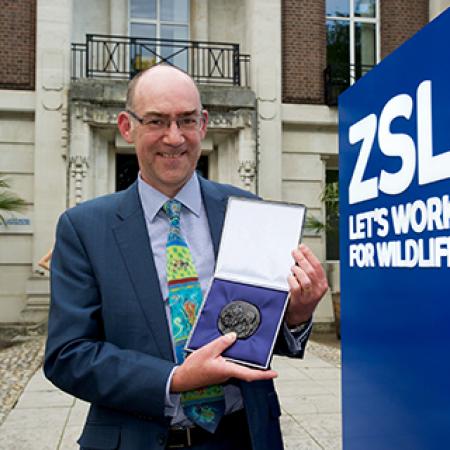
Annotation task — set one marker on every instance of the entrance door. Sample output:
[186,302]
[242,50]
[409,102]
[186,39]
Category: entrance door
[127,169]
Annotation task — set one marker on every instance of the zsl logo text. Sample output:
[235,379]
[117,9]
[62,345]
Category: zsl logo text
[430,168]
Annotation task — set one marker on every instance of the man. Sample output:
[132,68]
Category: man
[111,328]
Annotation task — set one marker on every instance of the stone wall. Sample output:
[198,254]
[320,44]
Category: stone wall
[310,141]
[16,156]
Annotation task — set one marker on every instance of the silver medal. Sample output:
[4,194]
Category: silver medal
[241,317]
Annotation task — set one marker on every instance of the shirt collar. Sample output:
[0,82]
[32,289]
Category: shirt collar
[152,200]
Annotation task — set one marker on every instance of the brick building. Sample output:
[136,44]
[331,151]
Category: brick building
[17,44]
[269,73]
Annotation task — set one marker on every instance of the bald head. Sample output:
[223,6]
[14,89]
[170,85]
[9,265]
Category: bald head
[158,79]
[167,155]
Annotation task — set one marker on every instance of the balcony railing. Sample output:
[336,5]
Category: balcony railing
[121,57]
[338,78]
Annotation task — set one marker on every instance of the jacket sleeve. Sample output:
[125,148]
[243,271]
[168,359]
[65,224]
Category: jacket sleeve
[78,358]
[293,343]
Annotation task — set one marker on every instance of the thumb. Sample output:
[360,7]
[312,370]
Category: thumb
[219,345]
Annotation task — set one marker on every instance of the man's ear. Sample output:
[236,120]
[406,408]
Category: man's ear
[124,125]
[204,127]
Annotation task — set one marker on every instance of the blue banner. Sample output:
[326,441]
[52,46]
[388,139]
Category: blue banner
[394,138]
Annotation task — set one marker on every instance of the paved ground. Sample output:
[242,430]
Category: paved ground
[310,397]
[46,418]
[19,360]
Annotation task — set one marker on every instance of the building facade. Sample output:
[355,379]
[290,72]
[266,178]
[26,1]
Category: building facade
[269,74]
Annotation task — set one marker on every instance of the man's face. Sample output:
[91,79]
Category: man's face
[167,157]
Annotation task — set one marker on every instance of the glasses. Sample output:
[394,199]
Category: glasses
[187,123]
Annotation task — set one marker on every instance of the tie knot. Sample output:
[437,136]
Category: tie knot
[172,208]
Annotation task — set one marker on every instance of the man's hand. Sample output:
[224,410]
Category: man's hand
[207,366]
[308,284]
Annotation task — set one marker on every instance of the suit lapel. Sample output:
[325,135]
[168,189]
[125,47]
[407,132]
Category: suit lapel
[134,243]
[215,205]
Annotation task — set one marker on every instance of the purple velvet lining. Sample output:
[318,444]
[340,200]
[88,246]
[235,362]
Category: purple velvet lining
[256,348]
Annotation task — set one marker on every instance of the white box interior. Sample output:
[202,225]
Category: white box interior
[257,240]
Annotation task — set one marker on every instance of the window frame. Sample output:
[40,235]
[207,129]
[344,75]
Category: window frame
[353,19]
[157,21]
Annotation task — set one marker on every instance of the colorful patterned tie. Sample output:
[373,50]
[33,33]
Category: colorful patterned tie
[206,406]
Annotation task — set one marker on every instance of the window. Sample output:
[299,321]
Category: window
[165,21]
[352,38]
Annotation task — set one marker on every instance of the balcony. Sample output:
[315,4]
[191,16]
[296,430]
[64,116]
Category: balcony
[122,57]
[338,77]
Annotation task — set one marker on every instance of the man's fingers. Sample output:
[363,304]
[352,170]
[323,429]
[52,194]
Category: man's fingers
[311,258]
[302,261]
[246,374]
[233,370]
[220,344]
[302,277]
[293,283]
[319,275]
[310,269]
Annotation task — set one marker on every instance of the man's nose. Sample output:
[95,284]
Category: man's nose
[173,135]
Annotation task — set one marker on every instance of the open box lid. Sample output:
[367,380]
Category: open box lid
[257,240]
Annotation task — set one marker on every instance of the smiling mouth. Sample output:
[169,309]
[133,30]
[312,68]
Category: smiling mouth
[172,155]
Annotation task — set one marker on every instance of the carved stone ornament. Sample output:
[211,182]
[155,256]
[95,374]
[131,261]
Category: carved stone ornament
[234,120]
[247,172]
[78,167]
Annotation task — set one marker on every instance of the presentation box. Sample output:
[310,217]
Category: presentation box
[249,290]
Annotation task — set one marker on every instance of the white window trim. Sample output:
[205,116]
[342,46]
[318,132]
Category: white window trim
[157,21]
[352,19]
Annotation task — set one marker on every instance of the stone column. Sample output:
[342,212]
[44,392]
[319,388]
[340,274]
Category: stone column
[119,17]
[437,7]
[52,81]
[100,171]
[199,20]
[264,45]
